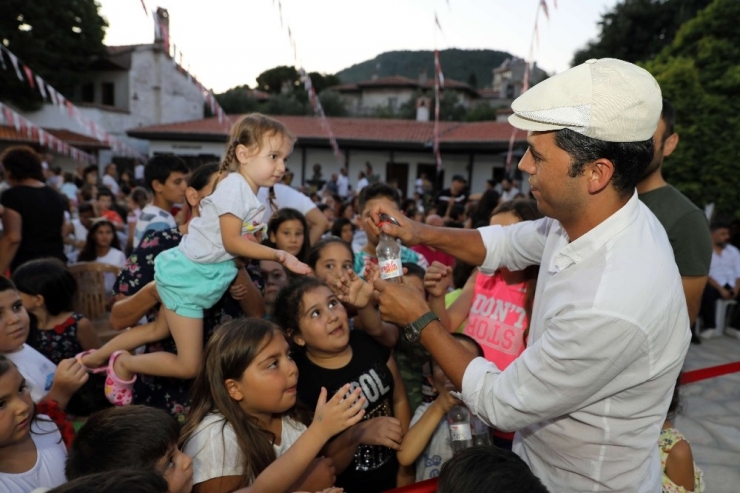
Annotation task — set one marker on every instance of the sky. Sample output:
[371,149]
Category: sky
[226,43]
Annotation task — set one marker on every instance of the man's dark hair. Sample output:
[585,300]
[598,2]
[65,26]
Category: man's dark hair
[490,469]
[21,163]
[159,168]
[630,159]
[130,437]
[668,115]
[413,269]
[375,191]
[105,192]
[85,207]
[719,224]
[121,481]
[93,168]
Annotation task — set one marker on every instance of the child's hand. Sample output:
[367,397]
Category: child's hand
[350,288]
[437,279]
[372,272]
[446,401]
[291,262]
[340,412]
[69,377]
[384,430]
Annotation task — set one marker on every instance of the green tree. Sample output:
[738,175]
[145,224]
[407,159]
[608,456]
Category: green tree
[237,100]
[58,42]
[636,30]
[481,113]
[321,82]
[332,103]
[473,80]
[699,72]
[286,104]
[274,79]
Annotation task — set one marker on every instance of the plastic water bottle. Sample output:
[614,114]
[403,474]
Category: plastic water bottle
[389,257]
[481,432]
[461,436]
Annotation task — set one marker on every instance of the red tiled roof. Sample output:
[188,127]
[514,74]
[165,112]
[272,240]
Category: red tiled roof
[371,130]
[393,80]
[10,134]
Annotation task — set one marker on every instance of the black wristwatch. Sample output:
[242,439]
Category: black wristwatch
[413,330]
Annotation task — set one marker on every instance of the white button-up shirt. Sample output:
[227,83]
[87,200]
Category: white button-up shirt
[608,336]
[725,266]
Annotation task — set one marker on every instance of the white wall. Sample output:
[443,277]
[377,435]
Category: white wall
[186,148]
[373,98]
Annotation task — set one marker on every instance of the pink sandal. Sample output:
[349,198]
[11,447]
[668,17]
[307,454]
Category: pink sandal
[79,357]
[117,391]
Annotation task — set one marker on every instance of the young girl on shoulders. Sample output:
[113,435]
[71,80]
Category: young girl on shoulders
[32,452]
[244,428]
[47,289]
[329,355]
[194,276]
[680,473]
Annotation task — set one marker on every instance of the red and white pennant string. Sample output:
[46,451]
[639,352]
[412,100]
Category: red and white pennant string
[542,6]
[65,106]
[170,47]
[312,96]
[43,137]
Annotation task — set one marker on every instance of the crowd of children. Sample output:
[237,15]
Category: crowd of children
[264,365]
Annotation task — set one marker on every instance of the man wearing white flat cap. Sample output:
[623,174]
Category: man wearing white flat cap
[609,329]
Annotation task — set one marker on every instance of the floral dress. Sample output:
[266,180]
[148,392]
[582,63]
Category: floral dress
[668,438]
[59,342]
[170,394]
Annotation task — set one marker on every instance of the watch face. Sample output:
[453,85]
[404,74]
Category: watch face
[412,335]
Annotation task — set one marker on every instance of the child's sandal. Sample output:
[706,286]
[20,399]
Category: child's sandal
[118,392]
[79,357]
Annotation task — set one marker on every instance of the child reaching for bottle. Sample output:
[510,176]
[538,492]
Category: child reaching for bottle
[244,427]
[47,289]
[193,276]
[680,473]
[428,440]
[32,452]
[331,260]
[329,355]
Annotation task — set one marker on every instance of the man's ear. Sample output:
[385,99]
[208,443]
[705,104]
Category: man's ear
[599,174]
[234,389]
[157,186]
[670,145]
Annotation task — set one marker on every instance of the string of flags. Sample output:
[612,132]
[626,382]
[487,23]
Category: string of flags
[161,31]
[541,7]
[312,96]
[439,82]
[48,93]
[44,138]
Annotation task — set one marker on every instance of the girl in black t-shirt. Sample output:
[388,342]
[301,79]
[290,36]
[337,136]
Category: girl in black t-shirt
[330,355]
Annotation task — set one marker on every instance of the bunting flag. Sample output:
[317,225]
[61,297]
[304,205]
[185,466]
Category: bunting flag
[436,21]
[146,12]
[542,5]
[41,86]
[22,124]
[438,83]
[323,120]
[64,106]
[14,61]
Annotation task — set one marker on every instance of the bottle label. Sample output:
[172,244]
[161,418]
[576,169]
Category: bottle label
[390,268]
[459,432]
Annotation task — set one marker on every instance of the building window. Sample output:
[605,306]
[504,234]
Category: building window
[109,95]
[88,92]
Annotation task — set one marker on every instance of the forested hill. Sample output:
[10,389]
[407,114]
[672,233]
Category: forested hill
[456,64]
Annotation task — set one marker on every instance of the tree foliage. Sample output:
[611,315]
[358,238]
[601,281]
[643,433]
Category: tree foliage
[699,72]
[237,100]
[275,79]
[456,64]
[57,40]
[637,30]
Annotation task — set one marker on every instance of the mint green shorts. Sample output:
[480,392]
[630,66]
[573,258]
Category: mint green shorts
[186,287]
